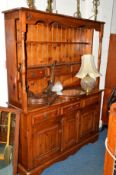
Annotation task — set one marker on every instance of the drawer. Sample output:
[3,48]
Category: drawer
[36,73]
[90,100]
[70,107]
[62,70]
[75,68]
[44,116]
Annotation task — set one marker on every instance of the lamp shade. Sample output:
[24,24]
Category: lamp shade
[88,67]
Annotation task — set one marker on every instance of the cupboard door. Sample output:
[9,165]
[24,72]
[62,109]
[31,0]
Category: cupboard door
[46,139]
[89,121]
[70,127]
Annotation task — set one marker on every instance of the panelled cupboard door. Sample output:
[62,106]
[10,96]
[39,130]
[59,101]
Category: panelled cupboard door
[89,121]
[46,139]
[70,125]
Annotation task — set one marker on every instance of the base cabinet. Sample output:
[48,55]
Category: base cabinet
[55,132]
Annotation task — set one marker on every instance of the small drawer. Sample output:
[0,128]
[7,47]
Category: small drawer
[90,100]
[75,68]
[70,107]
[36,73]
[62,70]
[40,117]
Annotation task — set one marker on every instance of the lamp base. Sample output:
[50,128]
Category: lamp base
[88,84]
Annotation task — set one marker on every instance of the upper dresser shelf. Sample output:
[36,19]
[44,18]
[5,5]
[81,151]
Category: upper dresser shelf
[52,37]
[40,39]
[49,18]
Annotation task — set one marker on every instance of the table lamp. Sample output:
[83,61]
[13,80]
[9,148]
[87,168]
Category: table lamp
[88,73]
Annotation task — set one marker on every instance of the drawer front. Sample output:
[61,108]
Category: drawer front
[70,107]
[44,116]
[36,73]
[90,100]
[62,70]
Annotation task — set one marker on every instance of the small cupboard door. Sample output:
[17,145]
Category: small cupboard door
[89,121]
[70,125]
[46,139]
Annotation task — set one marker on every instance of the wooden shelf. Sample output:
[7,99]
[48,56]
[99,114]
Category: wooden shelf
[52,42]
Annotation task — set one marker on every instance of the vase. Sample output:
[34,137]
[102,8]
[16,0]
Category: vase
[30,4]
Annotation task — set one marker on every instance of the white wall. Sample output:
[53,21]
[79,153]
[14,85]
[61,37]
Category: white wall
[106,16]
[67,7]
[3,80]
[113,26]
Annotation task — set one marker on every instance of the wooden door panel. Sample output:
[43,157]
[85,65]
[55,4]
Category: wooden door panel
[86,127]
[46,143]
[70,129]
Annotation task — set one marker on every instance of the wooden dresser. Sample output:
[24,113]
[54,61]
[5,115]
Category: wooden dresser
[35,41]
